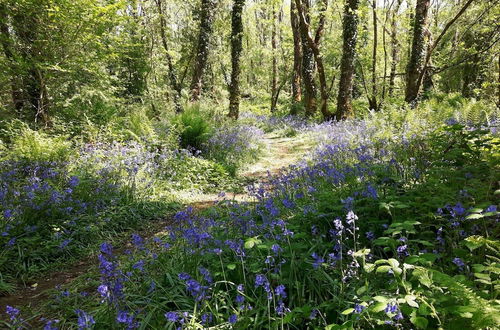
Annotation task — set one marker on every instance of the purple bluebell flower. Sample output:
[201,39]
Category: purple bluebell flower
[233,319]
[107,248]
[280,291]
[318,260]
[172,316]
[184,276]
[12,312]
[206,318]
[459,262]
[139,265]
[358,308]
[260,280]
[276,249]
[391,308]
[50,325]
[206,274]
[403,250]
[137,240]
[85,321]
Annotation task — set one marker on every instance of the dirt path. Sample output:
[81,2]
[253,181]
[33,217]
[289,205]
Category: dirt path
[279,153]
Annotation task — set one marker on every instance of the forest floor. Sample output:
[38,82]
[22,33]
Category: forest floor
[278,154]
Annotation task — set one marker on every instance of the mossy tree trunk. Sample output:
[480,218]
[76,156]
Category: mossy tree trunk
[418,48]
[349,35]
[207,12]
[236,49]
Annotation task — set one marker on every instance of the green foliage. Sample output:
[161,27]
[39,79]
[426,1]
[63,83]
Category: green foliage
[194,128]
[36,146]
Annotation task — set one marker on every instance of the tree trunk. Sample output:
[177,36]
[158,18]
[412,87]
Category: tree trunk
[6,42]
[236,49]
[394,48]
[171,70]
[297,59]
[203,48]
[314,46]
[308,67]
[415,65]
[274,69]
[372,100]
[350,27]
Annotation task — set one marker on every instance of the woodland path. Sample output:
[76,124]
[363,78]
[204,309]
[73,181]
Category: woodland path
[279,153]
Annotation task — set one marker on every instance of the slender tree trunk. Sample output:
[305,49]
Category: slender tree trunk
[236,49]
[415,65]
[6,42]
[203,48]
[350,31]
[372,100]
[171,70]
[432,45]
[297,59]
[394,48]
[308,67]
[314,46]
[274,69]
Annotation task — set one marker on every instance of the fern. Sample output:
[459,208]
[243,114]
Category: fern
[485,313]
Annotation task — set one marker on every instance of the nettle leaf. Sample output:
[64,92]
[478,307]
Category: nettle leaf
[231,266]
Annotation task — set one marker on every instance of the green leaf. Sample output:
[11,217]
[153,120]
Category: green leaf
[369,268]
[393,262]
[381,299]
[423,277]
[383,269]
[361,290]
[379,307]
[419,322]
[397,270]
[348,311]
[249,244]
[231,266]
[410,300]
[362,252]
[474,216]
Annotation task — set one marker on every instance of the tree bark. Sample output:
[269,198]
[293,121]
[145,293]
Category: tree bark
[203,47]
[415,65]
[274,69]
[171,70]
[432,45]
[308,66]
[6,42]
[297,59]
[236,49]
[394,48]
[350,27]
[314,46]
[372,100]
